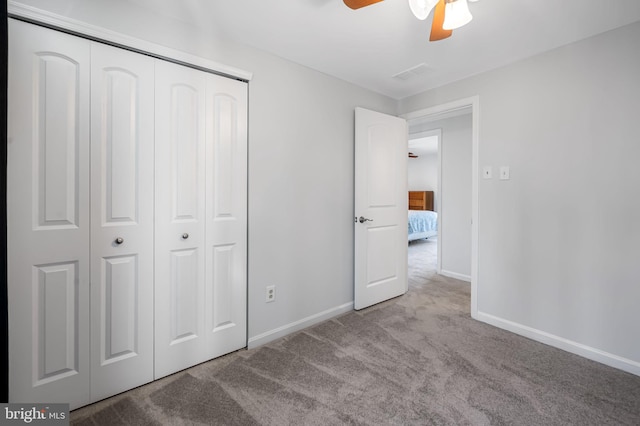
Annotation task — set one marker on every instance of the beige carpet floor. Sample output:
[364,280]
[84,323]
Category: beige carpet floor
[415,360]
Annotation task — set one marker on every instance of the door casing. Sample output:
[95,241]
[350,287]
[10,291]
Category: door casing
[474,103]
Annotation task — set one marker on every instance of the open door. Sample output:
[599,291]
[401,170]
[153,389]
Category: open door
[380,207]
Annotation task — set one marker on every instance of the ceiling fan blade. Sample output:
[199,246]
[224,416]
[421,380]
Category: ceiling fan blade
[357,4]
[437,33]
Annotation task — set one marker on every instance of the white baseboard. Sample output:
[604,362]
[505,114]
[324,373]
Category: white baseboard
[274,334]
[588,352]
[455,275]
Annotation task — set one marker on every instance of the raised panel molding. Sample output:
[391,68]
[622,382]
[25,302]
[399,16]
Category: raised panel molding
[56,321]
[119,314]
[223,287]
[381,174]
[225,148]
[380,268]
[185,300]
[121,146]
[184,152]
[56,144]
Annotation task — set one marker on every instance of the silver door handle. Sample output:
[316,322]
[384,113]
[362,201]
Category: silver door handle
[185,236]
[119,240]
[364,219]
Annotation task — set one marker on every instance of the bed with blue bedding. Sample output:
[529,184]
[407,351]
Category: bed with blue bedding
[422,224]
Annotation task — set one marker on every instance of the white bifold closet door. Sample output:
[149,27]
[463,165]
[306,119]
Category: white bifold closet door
[226,216]
[81,305]
[127,217]
[48,216]
[180,218]
[200,217]
[122,173]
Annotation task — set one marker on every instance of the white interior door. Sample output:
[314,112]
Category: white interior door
[180,340]
[380,207]
[226,210]
[122,164]
[48,216]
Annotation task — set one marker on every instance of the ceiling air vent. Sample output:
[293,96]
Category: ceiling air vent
[414,71]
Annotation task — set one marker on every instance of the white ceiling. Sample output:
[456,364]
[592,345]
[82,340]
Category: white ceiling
[368,46]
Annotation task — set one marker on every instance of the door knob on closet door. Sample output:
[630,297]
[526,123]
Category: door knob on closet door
[185,236]
[363,219]
[119,240]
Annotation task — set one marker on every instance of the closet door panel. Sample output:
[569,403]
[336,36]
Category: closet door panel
[122,249]
[48,216]
[226,215]
[56,299]
[180,218]
[184,296]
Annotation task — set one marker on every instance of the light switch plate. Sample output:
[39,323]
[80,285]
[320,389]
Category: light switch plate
[505,173]
[487,172]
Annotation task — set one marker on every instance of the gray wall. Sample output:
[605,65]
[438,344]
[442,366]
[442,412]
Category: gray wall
[558,243]
[301,150]
[455,200]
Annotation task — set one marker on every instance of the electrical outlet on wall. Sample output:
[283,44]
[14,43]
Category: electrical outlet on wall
[271,293]
[505,173]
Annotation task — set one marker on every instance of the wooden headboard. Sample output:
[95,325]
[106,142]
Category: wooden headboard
[421,200]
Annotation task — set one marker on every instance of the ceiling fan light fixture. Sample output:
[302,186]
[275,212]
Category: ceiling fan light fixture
[422,8]
[437,32]
[456,14]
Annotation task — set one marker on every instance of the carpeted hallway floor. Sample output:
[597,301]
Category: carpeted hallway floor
[415,360]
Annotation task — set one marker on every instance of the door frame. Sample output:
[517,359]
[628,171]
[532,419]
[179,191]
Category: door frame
[4,304]
[433,111]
